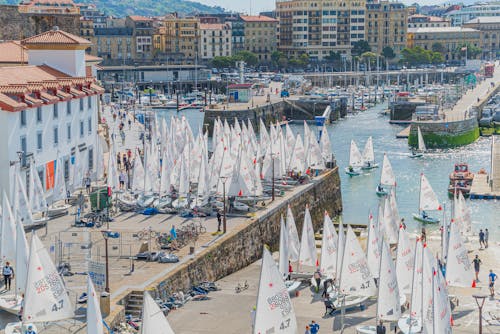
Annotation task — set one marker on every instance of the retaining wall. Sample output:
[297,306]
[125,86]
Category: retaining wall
[445,134]
[243,245]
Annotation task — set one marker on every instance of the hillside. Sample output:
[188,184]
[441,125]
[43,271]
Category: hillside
[121,8]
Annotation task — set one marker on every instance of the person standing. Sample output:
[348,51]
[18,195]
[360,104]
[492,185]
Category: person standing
[481,239]
[477,263]
[381,328]
[314,327]
[486,236]
[219,220]
[290,269]
[317,278]
[308,330]
[492,278]
[87,184]
[8,274]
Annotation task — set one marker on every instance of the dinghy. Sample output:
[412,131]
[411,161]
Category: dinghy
[369,156]
[421,146]
[427,201]
[387,178]
[94,317]
[355,161]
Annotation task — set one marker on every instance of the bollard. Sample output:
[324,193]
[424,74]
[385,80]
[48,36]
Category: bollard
[104,303]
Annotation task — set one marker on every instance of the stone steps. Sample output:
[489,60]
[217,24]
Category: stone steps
[134,304]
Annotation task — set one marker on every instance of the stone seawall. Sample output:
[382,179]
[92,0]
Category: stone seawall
[445,134]
[243,245]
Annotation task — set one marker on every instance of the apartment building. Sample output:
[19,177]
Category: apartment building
[260,36]
[490,34]
[462,15]
[318,27]
[427,21]
[215,40]
[386,26]
[181,38]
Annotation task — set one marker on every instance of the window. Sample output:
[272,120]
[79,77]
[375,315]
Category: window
[81,104]
[66,169]
[89,124]
[81,128]
[56,136]
[24,145]
[39,114]
[39,144]
[56,111]
[68,107]
[91,158]
[68,131]
[89,102]
[23,117]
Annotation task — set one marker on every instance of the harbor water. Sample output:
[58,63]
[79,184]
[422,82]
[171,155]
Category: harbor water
[358,193]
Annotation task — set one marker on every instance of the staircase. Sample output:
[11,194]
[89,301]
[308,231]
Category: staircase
[134,304]
[495,163]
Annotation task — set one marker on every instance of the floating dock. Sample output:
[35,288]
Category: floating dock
[481,188]
[405,133]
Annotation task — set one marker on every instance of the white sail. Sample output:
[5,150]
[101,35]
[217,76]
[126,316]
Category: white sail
[22,258]
[59,191]
[389,304]
[326,146]
[46,298]
[297,157]
[458,265]
[184,178]
[274,313]
[428,198]
[341,247]
[94,317]
[36,192]
[421,142]
[368,155]
[442,308]
[293,236]
[355,158]
[387,177]
[416,304]
[405,260]
[112,174]
[328,265]
[429,269]
[307,253]
[283,264]
[8,235]
[138,176]
[153,319]
[373,247]
[355,276]
[99,157]
[389,223]
[465,215]
[22,209]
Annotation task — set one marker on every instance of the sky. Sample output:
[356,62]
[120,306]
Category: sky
[257,6]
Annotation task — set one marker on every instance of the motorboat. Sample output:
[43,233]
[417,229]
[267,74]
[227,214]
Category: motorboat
[58,210]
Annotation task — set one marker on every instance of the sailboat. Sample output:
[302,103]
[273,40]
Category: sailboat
[421,146]
[291,285]
[47,305]
[458,265]
[274,312]
[153,319]
[387,178]
[355,160]
[94,317]
[58,193]
[307,252]
[427,201]
[369,156]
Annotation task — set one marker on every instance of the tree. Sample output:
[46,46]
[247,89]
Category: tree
[418,55]
[437,58]
[275,57]
[304,59]
[333,56]
[438,47]
[221,62]
[472,51]
[360,47]
[388,53]
[248,57]
[369,57]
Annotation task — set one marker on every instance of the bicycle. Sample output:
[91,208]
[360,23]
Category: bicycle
[240,287]
[146,233]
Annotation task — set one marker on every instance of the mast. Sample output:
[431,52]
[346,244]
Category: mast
[412,284]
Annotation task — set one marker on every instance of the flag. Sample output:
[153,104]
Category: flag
[464,48]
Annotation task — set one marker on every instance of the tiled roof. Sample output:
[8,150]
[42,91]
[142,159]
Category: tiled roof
[50,2]
[213,26]
[55,37]
[259,18]
[139,18]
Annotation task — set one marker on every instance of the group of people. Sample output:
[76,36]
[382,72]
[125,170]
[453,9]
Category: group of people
[483,238]
[492,277]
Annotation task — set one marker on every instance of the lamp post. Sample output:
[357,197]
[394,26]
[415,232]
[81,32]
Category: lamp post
[480,303]
[105,235]
[224,225]
[272,189]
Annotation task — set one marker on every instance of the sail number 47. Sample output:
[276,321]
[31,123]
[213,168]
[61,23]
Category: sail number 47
[285,324]
[58,306]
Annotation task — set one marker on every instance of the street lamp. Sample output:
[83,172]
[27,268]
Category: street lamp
[224,225]
[106,235]
[480,303]
[272,189]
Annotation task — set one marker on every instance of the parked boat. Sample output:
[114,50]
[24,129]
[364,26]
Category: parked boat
[461,172]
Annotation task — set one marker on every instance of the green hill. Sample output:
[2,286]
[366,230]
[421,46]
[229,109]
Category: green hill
[121,8]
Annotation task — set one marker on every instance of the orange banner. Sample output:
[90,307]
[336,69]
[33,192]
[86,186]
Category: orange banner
[49,175]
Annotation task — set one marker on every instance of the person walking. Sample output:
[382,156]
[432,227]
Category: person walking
[121,178]
[481,239]
[219,220]
[381,328]
[492,277]
[8,274]
[486,236]
[477,263]
[317,278]
[308,330]
[87,184]
[118,160]
[314,327]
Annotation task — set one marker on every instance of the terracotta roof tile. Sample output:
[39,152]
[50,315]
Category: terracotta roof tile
[55,37]
[259,18]
[10,104]
[139,18]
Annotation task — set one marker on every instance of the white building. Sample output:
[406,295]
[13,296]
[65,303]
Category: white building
[215,40]
[48,109]
[465,14]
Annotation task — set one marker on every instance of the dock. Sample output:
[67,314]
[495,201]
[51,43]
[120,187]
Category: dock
[486,186]
[405,133]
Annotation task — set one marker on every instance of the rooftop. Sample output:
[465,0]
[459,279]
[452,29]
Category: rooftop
[55,36]
[213,26]
[258,18]
[440,30]
[484,19]
[138,18]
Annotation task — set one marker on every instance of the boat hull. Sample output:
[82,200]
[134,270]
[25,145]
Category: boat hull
[18,328]
[404,325]
[428,220]
[416,155]
[354,172]
[11,303]
[372,166]
[366,329]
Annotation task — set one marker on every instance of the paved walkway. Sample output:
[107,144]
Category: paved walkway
[470,98]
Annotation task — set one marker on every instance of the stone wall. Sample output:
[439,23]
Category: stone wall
[243,245]
[445,134]
[17,26]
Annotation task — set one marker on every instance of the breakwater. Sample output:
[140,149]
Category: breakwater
[445,134]
[243,245]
